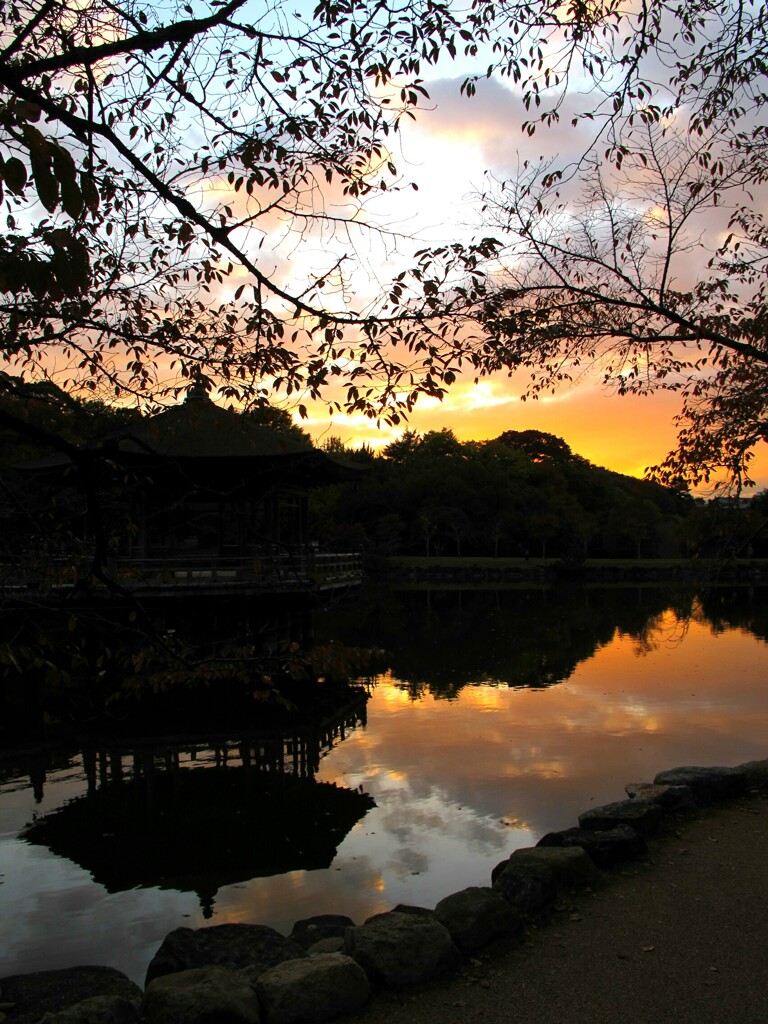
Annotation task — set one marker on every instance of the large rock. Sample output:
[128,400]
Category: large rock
[571,865]
[398,949]
[98,1010]
[605,848]
[324,926]
[410,908]
[706,784]
[235,946]
[643,816]
[476,916]
[671,798]
[332,945]
[756,772]
[204,995]
[312,990]
[53,991]
[529,887]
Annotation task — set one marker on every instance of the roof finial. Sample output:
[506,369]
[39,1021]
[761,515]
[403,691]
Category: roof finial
[198,389]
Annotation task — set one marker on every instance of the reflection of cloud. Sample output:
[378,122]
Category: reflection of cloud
[410,862]
[50,893]
[531,755]
[352,887]
[539,769]
[403,818]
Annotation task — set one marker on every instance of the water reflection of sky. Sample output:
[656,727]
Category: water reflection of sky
[458,784]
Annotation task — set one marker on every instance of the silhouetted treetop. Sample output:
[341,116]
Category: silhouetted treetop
[537,445]
[523,493]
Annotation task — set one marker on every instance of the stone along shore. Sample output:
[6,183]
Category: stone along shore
[328,966]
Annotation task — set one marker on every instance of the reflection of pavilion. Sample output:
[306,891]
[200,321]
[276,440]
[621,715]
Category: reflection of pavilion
[199,816]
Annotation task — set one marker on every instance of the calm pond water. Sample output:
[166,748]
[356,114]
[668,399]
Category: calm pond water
[497,716]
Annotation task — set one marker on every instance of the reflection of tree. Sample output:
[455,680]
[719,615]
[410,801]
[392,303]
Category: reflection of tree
[736,607]
[237,661]
[440,641]
[669,628]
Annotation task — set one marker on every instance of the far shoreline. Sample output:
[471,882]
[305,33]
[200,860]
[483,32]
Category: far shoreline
[445,568]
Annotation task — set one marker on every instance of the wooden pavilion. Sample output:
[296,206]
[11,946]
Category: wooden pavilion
[201,498]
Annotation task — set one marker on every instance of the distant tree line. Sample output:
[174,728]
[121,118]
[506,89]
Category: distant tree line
[522,494]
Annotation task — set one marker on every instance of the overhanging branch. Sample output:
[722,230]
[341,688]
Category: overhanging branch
[141,42]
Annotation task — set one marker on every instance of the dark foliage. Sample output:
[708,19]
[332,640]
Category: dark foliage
[523,494]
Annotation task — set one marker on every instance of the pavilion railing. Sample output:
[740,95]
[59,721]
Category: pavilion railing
[284,570]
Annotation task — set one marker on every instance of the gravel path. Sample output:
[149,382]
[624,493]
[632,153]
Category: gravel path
[679,939]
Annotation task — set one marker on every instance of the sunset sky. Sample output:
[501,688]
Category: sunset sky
[447,153]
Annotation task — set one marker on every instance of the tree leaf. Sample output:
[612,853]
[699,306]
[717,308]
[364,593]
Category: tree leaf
[71,197]
[15,175]
[90,192]
[45,183]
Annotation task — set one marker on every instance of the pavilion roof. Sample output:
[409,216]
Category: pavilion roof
[198,427]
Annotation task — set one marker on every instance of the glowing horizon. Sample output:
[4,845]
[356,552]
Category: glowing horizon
[623,433]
